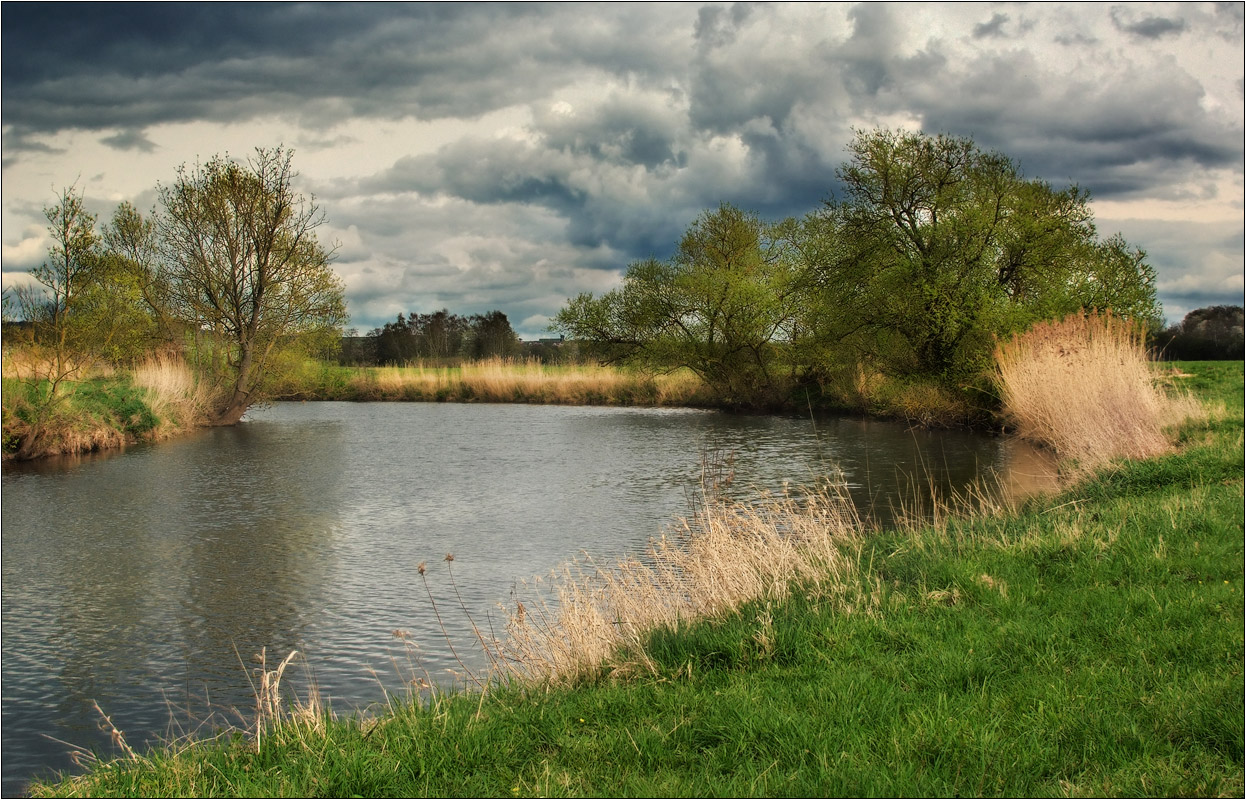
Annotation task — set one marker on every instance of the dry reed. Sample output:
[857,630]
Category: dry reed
[507,381]
[1084,387]
[173,392]
[33,363]
[726,555]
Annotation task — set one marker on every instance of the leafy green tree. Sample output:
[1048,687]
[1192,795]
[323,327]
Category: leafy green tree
[131,240]
[244,264]
[1209,333]
[491,336]
[440,335]
[394,343]
[60,281]
[938,246]
[721,306]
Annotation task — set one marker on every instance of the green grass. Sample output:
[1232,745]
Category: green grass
[1090,644]
[92,414]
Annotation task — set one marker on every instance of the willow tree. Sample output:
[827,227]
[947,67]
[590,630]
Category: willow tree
[244,265]
[941,246]
[723,306]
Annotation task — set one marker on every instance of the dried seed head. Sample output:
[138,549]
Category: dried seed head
[420,568]
[449,556]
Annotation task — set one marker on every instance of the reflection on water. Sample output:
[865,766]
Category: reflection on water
[147,580]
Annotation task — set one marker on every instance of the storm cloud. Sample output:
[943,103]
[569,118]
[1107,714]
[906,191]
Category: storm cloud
[509,156]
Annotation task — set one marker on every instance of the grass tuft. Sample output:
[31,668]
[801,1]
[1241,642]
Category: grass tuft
[1085,387]
[728,554]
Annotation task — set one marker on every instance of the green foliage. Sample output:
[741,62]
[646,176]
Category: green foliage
[117,402]
[943,247]
[440,336]
[88,415]
[722,307]
[936,249]
[243,262]
[1214,332]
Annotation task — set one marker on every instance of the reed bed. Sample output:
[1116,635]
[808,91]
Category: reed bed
[1085,387]
[32,363]
[173,392]
[509,381]
[591,617]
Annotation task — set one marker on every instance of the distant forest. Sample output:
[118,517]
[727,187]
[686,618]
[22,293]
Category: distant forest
[1214,333]
[442,337]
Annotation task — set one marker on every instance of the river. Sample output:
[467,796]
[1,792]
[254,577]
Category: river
[146,581]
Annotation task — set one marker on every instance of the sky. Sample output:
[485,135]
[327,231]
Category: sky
[477,157]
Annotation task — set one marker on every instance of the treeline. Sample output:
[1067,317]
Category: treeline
[1214,333]
[439,336]
[935,249]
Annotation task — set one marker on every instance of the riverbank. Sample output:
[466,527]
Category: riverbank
[493,381]
[101,410]
[114,408]
[1089,643]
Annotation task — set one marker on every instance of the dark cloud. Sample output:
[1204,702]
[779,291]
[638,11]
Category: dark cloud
[1126,21]
[639,116]
[1116,134]
[717,26]
[130,140]
[136,65]
[992,29]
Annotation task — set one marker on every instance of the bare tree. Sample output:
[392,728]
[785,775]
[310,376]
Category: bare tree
[245,267]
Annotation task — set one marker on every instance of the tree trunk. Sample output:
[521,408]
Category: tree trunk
[240,398]
[233,411]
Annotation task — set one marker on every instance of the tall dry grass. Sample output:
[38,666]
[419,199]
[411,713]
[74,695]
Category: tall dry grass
[508,381]
[588,617]
[33,363]
[1085,387]
[174,394]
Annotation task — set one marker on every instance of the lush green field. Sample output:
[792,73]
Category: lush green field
[1087,644]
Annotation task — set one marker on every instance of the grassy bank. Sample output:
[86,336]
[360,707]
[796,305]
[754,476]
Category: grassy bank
[1084,644]
[100,409]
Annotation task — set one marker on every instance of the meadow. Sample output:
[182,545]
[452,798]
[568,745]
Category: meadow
[1086,643]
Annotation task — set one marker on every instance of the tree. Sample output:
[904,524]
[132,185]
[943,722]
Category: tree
[58,335]
[1209,333]
[60,281]
[719,307]
[941,246]
[394,343]
[131,241]
[245,266]
[440,335]
[491,336]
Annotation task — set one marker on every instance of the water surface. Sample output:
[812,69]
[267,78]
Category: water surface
[147,580]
